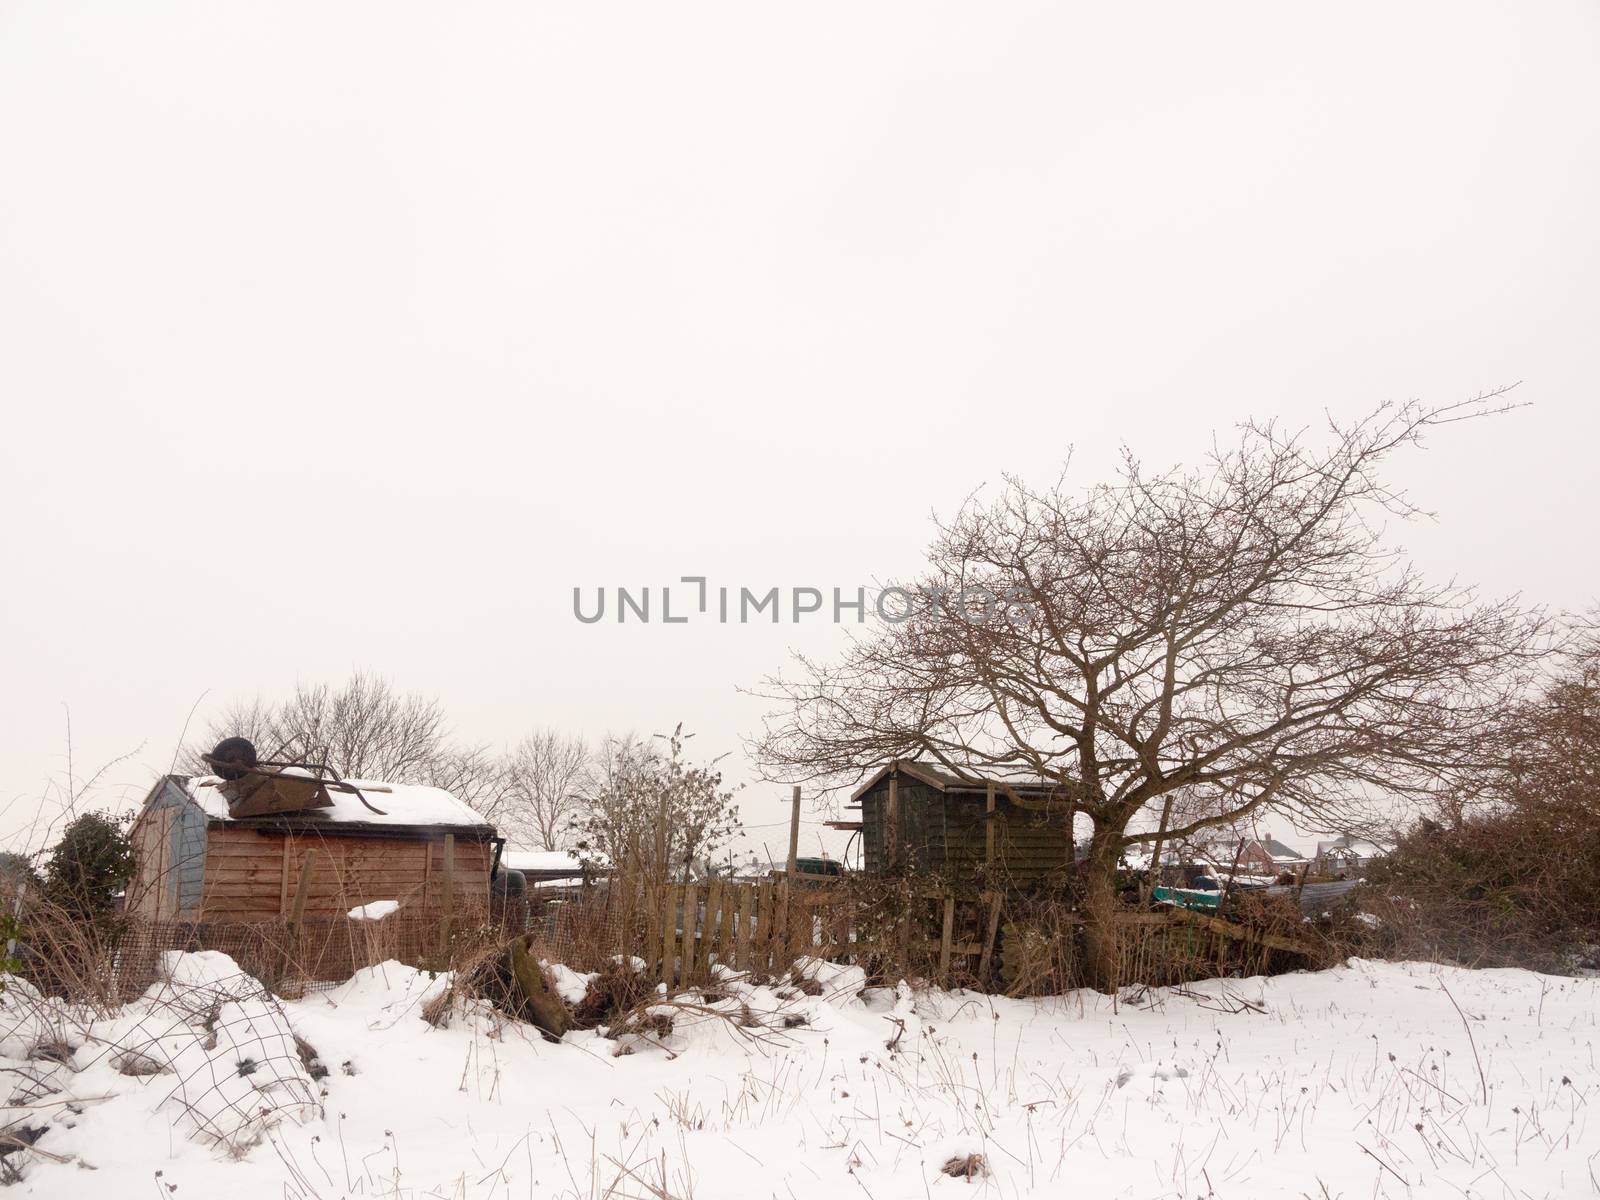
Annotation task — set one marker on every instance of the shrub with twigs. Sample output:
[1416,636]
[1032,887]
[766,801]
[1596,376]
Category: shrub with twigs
[1507,873]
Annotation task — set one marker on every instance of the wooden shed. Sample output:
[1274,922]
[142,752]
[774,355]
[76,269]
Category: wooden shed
[197,862]
[918,819]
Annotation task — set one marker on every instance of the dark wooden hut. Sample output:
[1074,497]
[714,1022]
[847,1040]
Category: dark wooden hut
[918,819]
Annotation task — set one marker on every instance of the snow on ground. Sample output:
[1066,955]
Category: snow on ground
[1372,1080]
[376,910]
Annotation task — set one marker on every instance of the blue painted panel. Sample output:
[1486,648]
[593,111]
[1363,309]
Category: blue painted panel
[186,848]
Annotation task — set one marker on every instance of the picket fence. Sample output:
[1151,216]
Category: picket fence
[895,929]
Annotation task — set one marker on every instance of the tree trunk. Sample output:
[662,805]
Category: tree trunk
[1100,908]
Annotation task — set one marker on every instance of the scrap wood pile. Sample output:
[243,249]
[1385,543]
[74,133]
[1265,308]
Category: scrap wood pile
[622,1000]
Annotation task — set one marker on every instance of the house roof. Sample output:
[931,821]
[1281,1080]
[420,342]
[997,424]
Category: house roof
[972,777]
[1271,847]
[1349,845]
[403,805]
[1278,851]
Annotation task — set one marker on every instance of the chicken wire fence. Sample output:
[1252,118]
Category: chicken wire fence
[585,930]
[120,963]
[211,1041]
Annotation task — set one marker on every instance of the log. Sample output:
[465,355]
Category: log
[541,1006]
[990,935]
[1242,933]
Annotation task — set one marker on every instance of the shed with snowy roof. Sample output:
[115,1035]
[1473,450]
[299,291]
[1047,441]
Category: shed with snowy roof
[200,858]
[960,821]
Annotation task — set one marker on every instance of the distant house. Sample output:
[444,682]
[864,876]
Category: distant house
[1346,855]
[922,819]
[540,867]
[1263,855]
[199,859]
[753,869]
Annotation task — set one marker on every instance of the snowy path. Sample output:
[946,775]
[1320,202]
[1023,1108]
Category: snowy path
[1357,1082]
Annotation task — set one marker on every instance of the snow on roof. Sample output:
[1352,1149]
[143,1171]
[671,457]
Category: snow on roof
[401,804]
[1350,847]
[545,861]
[1225,848]
[1020,778]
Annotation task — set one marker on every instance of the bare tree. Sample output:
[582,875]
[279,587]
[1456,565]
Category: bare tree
[1507,871]
[547,779]
[1238,634]
[476,775]
[367,729]
[1548,753]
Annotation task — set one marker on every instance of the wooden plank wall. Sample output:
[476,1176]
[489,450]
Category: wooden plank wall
[1025,845]
[955,833]
[253,876]
[152,837]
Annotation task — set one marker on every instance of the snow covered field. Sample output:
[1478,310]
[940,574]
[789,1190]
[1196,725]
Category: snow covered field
[1364,1081]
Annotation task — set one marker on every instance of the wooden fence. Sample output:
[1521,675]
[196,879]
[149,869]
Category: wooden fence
[898,929]
[681,931]
[892,929]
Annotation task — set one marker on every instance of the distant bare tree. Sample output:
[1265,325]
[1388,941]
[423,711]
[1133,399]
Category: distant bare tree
[547,777]
[476,775]
[1238,634]
[366,728]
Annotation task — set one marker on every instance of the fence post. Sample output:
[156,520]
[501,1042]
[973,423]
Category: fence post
[947,938]
[283,883]
[304,888]
[903,932]
[794,830]
[782,929]
[691,917]
[709,939]
[669,931]
[843,922]
[800,922]
[297,914]
[448,900]
[741,954]
[727,955]
[766,915]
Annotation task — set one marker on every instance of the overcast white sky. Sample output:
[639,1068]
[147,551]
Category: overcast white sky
[358,334]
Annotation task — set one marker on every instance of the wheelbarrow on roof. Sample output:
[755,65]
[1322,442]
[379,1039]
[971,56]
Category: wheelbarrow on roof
[256,787]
